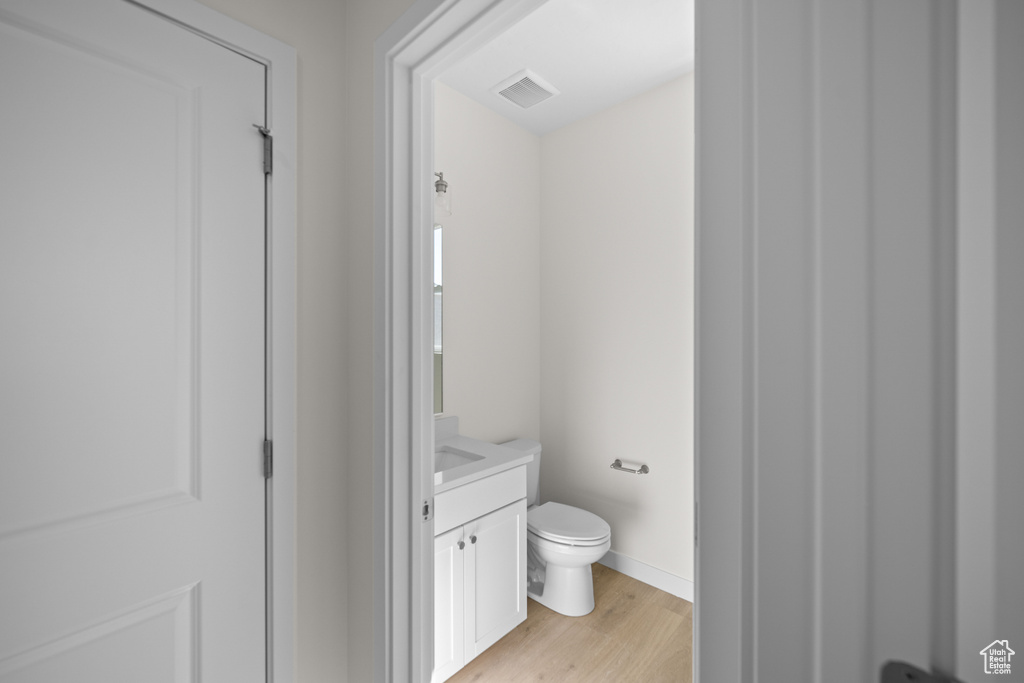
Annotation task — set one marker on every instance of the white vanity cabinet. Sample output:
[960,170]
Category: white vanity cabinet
[479,567]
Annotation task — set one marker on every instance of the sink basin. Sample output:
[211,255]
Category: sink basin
[445,458]
[459,459]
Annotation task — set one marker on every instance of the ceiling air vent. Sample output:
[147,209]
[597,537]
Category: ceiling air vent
[525,89]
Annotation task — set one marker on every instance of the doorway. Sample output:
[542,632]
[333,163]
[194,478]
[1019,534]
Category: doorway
[403,435]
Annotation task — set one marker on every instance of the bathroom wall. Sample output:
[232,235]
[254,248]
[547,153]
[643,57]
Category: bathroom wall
[491,269]
[617,311]
[568,285]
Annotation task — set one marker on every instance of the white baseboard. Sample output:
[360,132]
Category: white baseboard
[652,576]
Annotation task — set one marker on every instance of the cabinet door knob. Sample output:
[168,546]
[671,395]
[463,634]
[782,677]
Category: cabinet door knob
[462,544]
[472,539]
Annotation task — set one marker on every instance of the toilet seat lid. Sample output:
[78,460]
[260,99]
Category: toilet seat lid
[567,524]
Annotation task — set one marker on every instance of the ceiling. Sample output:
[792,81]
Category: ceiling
[597,53]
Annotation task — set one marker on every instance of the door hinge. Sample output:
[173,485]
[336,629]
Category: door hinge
[268,458]
[268,148]
[428,510]
[696,525]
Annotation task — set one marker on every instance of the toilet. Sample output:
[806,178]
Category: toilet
[562,542]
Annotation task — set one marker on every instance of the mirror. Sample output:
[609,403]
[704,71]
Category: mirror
[438,318]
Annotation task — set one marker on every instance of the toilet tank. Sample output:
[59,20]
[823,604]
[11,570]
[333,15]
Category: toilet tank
[532,468]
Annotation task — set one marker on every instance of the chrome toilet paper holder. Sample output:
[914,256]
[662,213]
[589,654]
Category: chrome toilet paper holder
[617,465]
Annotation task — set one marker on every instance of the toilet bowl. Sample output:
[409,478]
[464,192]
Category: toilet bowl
[562,543]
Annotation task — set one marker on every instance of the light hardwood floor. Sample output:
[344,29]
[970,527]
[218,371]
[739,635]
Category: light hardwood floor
[635,633]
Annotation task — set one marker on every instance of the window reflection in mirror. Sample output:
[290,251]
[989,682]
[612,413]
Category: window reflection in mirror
[438,364]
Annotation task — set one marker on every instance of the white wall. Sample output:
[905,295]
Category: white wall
[491,269]
[334,44]
[364,21]
[617,321]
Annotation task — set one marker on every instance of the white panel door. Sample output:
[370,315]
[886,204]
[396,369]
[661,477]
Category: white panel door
[495,576]
[131,349]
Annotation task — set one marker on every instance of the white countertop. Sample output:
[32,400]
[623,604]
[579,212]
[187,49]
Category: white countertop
[493,459]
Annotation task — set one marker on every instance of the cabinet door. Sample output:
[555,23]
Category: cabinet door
[495,576]
[449,594]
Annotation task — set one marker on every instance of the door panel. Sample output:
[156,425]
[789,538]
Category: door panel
[83,301]
[131,378]
[449,587]
[497,567]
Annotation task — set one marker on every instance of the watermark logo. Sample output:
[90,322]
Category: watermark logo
[997,657]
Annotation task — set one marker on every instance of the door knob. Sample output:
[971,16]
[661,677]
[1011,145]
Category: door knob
[462,544]
[472,539]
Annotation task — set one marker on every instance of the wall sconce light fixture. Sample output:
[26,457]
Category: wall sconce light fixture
[442,197]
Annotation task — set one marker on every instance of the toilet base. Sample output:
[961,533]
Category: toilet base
[567,590]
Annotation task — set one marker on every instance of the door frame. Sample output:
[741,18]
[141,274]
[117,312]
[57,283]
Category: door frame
[427,39]
[281,96]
